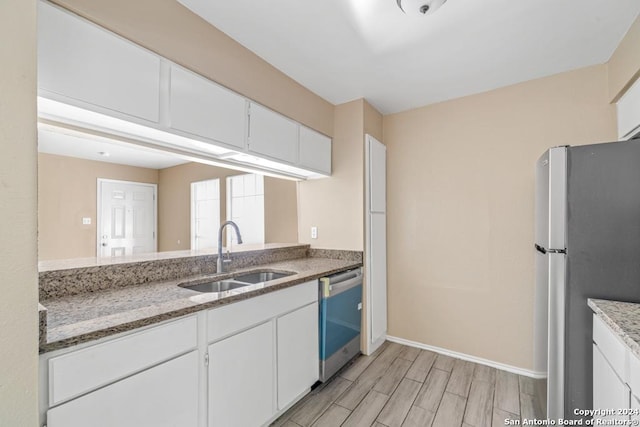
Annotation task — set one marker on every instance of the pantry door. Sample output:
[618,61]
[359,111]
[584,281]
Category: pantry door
[127,218]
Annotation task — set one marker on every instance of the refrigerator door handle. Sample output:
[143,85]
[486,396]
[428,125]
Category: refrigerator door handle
[557,251]
[544,251]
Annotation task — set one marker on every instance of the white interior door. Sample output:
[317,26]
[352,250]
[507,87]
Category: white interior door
[126,218]
[376,243]
[205,214]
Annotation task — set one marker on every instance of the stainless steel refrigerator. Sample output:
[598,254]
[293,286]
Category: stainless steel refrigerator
[587,245]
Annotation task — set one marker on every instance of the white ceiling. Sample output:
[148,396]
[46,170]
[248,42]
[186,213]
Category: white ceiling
[63,144]
[349,49]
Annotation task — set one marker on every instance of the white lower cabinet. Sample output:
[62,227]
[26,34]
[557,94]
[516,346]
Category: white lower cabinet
[609,390]
[241,378]
[241,364]
[635,410]
[263,355]
[165,395]
[297,353]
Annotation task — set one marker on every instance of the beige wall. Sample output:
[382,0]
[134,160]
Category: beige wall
[174,201]
[174,205]
[624,65]
[335,204]
[18,204]
[373,121]
[67,192]
[171,30]
[280,211]
[460,209]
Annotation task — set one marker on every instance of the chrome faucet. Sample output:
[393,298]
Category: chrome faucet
[220,265]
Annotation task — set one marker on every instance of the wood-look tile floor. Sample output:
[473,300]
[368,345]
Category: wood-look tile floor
[406,386]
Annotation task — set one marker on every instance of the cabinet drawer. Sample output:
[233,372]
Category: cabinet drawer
[611,347]
[232,318]
[76,373]
[165,395]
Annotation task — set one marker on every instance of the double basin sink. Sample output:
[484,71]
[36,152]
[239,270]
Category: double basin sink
[240,281]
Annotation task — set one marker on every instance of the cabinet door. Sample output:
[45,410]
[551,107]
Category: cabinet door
[166,395]
[79,61]
[201,107]
[609,391]
[297,353]
[272,134]
[241,378]
[315,151]
[377,177]
[635,406]
[376,242]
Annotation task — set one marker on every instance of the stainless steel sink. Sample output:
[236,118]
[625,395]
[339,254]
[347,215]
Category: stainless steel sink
[219,286]
[261,276]
[236,282]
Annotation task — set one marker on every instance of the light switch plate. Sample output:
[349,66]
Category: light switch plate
[86,221]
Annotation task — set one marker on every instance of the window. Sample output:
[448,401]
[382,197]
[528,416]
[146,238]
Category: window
[205,214]
[245,207]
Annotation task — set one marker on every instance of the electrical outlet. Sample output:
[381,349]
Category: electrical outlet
[86,221]
[314,232]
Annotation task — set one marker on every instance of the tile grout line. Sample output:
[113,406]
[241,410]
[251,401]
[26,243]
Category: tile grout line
[417,394]
[466,399]
[443,392]
[375,420]
[372,385]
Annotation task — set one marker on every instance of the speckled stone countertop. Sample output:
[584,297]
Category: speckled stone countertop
[623,318]
[74,319]
[76,263]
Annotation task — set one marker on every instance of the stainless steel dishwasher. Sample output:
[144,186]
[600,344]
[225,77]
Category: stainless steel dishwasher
[340,297]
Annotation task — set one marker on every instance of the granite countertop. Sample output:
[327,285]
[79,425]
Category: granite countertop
[623,318]
[66,264]
[75,319]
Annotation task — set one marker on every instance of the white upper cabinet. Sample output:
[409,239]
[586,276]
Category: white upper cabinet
[629,112]
[204,109]
[272,135]
[315,151]
[84,65]
[97,79]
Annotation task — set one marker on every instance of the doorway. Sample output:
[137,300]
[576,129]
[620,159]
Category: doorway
[127,218]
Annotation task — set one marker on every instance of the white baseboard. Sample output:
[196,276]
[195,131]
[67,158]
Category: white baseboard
[481,361]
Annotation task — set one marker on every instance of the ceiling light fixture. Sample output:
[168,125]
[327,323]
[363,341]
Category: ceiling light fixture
[423,7]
